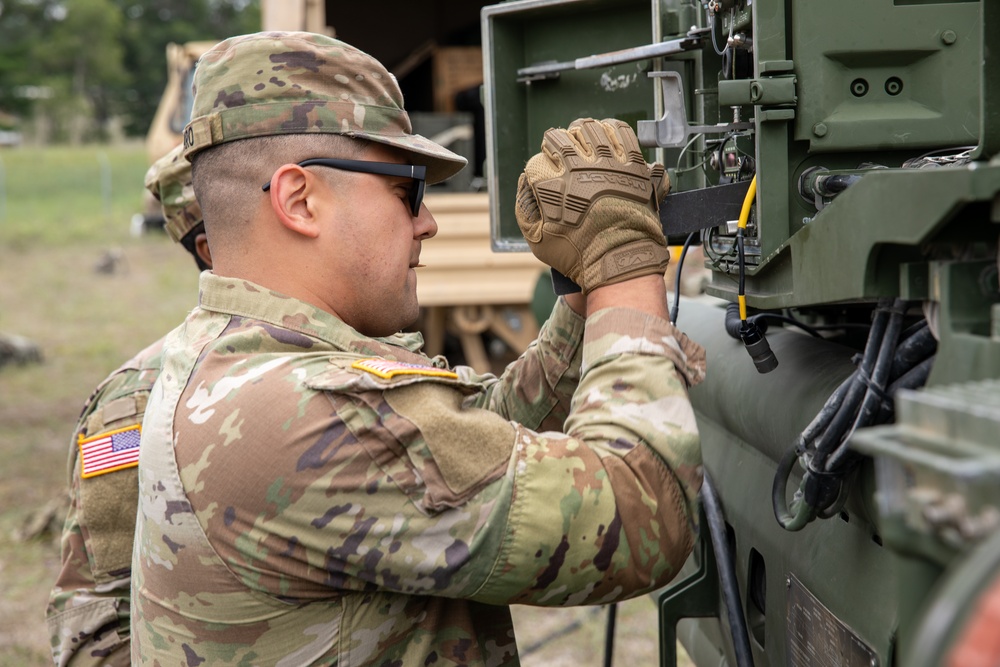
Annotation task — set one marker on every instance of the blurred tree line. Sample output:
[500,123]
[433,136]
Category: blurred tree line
[82,70]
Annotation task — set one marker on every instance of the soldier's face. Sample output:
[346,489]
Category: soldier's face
[376,246]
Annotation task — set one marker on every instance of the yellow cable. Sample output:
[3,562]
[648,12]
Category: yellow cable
[742,224]
[747,203]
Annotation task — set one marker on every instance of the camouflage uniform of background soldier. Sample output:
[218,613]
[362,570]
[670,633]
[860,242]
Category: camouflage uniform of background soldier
[88,612]
[313,489]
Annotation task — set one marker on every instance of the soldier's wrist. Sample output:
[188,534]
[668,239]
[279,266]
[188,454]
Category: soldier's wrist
[646,293]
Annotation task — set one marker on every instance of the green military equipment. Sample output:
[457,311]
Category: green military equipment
[858,480]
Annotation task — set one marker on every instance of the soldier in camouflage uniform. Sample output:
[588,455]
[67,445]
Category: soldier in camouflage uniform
[313,489]
[88,611]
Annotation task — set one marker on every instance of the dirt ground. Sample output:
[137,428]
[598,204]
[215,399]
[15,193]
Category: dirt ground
[86,322]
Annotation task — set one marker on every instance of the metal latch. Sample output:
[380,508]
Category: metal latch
[672,129]
[769,91]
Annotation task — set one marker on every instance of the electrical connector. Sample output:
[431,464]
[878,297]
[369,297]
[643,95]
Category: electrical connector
[757,347]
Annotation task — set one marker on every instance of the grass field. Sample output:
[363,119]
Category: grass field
[59,219]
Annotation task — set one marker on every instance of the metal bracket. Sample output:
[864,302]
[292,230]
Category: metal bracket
[694,210]
[672,130]
[692,41]
[696,596]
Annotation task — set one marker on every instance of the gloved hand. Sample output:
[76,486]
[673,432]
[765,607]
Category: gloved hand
[588,204]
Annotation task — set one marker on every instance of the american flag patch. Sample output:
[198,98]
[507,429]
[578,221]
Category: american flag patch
[110,451]
[388,369]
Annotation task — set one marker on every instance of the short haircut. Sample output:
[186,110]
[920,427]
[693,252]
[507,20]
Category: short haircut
[228,178]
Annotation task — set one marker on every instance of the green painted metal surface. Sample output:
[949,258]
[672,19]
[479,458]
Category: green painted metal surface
[875,140]
[746,421]
[532,32]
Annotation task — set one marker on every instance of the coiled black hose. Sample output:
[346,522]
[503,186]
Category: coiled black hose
[893,359]
[847,410]
[911,379]
[912,350]
[875,384]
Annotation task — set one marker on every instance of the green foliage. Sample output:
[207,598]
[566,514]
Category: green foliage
[21,24]
[152,24]
[80,63]
[61,195]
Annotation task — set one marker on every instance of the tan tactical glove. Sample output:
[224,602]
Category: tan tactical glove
[588,204]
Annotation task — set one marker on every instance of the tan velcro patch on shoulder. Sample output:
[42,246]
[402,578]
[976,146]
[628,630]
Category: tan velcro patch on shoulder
[108,505]
[468,445]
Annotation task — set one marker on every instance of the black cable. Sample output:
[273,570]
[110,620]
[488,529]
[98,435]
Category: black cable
[609,635]
[863,399]
[912,379]
[812,331]
[920,345]
[838,503]
[718,258]
[732,321]
[779,504]
[875,383]
[855,393]
[727,573]
[912,329]
[732,326]
[822,419]
[677,281]
[820,488]
[837,327]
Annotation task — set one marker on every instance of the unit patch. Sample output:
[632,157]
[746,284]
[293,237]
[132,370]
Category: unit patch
[386,369]
[110,451]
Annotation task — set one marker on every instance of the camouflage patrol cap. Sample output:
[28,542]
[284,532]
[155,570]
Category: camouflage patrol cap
[169,179]
[273,83]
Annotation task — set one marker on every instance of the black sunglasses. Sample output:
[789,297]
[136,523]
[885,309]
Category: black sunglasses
[417,172]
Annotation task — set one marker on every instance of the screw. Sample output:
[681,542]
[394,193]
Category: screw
[949,37]
[819,129]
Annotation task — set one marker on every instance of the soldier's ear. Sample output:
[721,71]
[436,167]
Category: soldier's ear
[202,250]
[295,195]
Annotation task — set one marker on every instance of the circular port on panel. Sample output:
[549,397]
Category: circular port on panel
[894,85]
[859,87]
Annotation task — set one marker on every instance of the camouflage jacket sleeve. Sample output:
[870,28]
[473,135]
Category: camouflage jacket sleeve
[621,481]
[88,609]
[536,389]
[407,487]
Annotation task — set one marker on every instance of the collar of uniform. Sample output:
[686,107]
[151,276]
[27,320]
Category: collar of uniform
[234,296]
